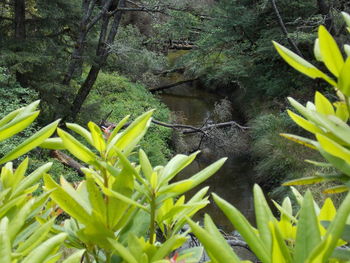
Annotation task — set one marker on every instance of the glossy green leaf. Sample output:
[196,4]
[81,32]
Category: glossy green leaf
[308,233]
[117,128]
[317,52]
[263,216]
[244,228]
[5,244]
[68,203]
[279,251]
[213,245]
[175,165]
[41,253]
[97,137]
[331,54]
[169,246]
[305,181]
[31,179]
[10,116]
[333,234]
[347,49]
[36,238]
[305,124]
[333,148]
[76,257]
[131,136]
[346,18]
[323,105]
[81,131]
[301,64]
[76,148]
[344,78]
[53,144]
[301,140]
[17,126]
[30,143]
[122,251]
[146,166]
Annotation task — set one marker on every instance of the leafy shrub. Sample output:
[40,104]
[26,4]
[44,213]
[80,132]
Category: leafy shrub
[117,95]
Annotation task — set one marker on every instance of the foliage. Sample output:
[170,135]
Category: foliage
[130,57]
[25,221]
[285,160]
[295,237]
[122,97]
[325,120]
[113,207]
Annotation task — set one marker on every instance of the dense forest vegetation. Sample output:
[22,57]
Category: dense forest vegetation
[96,61]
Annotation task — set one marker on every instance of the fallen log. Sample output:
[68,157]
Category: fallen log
[171,85]
[67,161]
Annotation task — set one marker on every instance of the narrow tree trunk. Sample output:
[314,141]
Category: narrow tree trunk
[284,29]
[102,52]
[20,13]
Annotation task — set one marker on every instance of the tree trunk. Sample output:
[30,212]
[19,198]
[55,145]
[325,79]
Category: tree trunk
[106,39]
[19,22]
[284,29]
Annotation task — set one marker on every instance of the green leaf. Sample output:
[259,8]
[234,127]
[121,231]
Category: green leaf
[5,244]
[10,116]
[36,238]
[347,49]
[317,52]
[344,78]
[17,126]
[333,148]
[81,131]
[168,246]
[122,251]
[333,234]
[263,216]
[97,137]
[76,148]
[68,203]
[131,136]
[301,140]
[31,179]
[305,124]
[305,181]
[323,105]
[145,165]
[308,233]
[42,252]
[213,244]
[244,228]
[336,189]
[331,54]
[53,144]
[175,165]
[301,64]
[279,251]
[117,128]
[346,17]
[76,257]
[30,143]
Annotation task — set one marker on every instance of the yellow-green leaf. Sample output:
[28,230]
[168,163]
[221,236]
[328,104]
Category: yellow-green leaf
[330,52]
[76,148]
[301,64]
[333,148]
[323,105]
[344,78]
[30,143]
[53,144]
[97,137]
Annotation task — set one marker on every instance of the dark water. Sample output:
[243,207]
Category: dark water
[233,181]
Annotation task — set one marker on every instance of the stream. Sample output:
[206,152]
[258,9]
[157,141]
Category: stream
[233,181]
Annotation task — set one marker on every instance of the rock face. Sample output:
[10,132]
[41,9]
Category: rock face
[235,241]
